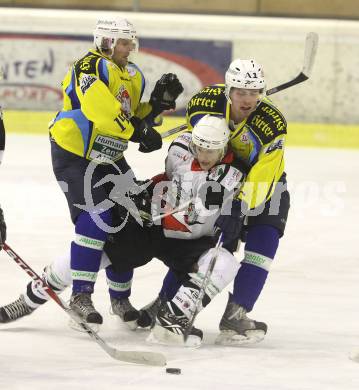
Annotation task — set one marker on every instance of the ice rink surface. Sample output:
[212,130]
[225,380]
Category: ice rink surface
[310,301]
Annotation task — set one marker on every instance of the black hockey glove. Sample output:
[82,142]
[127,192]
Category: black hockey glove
[143,204]
[148,138]
[165,93]
[231,225]
[2,229]
[140,204]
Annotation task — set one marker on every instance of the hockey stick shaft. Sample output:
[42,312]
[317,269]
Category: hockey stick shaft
[203,287]
[137,357]
[181,207]
[212,264]
[311,46]
[175,130]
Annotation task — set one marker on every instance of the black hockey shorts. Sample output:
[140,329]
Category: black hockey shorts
[70,169]
[134,246]
[275,212]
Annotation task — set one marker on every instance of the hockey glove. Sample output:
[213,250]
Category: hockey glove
[231,225]
[140,204]
[148,138]
[143,204]
[165,93]
[2,229]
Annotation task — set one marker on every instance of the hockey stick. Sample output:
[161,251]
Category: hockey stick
[137,357]
[175,130]
[2,135]
[173,211]
[203,287]
[212,264]
[310,50]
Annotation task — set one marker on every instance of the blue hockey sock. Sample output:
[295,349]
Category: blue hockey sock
[170,286]
[119,284]
[86,251]
[259,251]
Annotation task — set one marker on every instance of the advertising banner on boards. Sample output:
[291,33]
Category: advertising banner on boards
[33,65]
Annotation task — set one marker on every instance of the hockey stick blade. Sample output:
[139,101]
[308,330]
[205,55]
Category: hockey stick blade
[136,357]
[311,46]
[310,51]
[140,357]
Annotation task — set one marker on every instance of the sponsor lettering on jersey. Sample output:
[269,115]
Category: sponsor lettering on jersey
[107,148]
[278,120]
[275,145]
[85,63]
[179,155]
[86,81]
[261,123]
[203,102]
[232,179]
[212,91]
[266,122]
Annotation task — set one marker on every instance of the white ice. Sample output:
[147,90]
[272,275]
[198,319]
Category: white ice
[310,301]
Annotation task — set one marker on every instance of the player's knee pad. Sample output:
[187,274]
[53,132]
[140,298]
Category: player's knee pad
[58,273]
[223,273]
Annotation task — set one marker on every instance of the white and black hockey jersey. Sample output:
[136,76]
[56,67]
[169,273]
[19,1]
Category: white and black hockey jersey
[188,186]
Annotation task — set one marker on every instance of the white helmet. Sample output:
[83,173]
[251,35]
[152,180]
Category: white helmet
[109,30]
[247,74]
[211,132]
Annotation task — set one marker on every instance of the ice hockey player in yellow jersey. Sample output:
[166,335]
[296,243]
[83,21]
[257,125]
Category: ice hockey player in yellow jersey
[259,214]
[102,111]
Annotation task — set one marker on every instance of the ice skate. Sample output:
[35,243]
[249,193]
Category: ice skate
[237,329]
[15,310]
[170,326]
[148,313]
[128,314]
[82,305]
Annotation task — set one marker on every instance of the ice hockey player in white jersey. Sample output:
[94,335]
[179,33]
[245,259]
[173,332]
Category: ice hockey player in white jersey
[199,177]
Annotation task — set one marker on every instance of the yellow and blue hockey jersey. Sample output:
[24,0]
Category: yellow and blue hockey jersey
[99,99]
[257,140]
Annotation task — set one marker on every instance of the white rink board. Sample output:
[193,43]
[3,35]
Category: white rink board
[278,43]
[310,301]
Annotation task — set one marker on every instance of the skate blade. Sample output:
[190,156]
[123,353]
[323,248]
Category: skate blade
[162,336]
[75,326]
[132,325]
[231,338]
